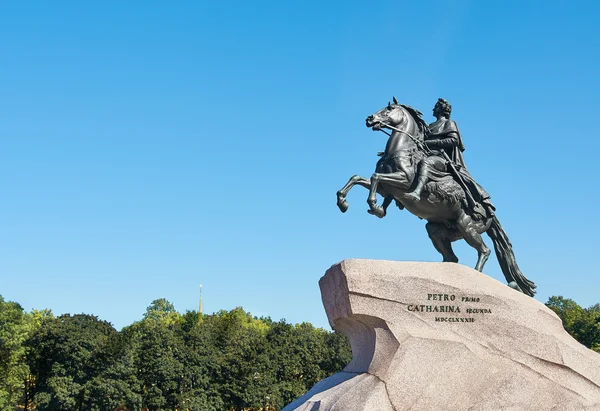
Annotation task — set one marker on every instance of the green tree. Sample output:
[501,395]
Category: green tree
[241,353]
[590,334]
[286,364]
[14,371]
[302,355]
[116,385]
[65,353]
[339,353]
[162,310]
[202,372]
[226,361]
[582,323]
[158,352]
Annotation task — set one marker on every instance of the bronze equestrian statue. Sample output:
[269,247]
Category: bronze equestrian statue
[422,169]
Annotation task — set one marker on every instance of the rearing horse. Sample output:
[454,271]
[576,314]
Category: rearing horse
[442,203]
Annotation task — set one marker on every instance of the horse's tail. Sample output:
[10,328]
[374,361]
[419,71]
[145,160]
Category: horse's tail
[506,258]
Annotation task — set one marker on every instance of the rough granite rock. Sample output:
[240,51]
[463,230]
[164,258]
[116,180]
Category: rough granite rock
[411,351]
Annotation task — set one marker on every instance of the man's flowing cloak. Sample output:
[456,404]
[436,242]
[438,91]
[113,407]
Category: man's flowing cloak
[453,145]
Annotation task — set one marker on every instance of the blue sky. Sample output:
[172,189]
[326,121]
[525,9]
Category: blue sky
[147,147]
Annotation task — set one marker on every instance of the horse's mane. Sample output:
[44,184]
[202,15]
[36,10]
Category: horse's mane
[418,117]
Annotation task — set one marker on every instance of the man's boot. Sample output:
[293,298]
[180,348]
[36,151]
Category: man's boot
[415,195]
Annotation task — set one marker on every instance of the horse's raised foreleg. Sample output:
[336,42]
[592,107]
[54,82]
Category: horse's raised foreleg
[341,195]
[393,179]
[386,203]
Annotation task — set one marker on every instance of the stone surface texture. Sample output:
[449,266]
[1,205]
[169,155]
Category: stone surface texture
[513,356]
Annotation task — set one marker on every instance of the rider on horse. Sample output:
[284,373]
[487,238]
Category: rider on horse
[456,207]
[445,156]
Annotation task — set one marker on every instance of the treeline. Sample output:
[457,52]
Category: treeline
[582,323]
[167,361]
[171,361]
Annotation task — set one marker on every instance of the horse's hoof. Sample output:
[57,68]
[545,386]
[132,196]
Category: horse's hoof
[514,286]
[377,211]
[342,205]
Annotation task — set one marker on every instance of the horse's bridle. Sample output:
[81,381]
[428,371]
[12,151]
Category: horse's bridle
[419,144]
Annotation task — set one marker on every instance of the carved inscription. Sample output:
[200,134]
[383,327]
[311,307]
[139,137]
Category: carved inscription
[451,304]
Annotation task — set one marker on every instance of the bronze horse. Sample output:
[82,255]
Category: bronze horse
[443,202]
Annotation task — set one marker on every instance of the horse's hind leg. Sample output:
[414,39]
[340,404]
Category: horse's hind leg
[341,195]
[442,237]
[469,231]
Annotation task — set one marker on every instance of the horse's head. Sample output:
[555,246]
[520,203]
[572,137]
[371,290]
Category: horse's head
[391,115]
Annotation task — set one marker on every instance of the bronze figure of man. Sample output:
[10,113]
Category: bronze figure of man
[444,136]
